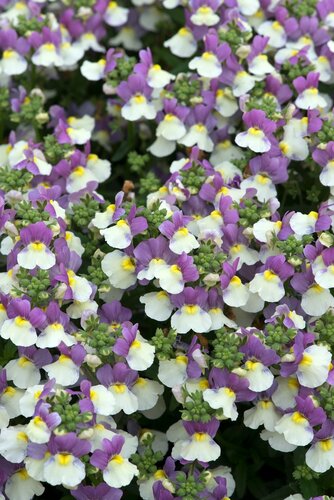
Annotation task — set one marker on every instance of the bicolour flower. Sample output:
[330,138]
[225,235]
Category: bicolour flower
[120,269]
[156,77]
[136,94]
[20,327]
[119,380]
[320,456]
[64,465]
[138,353]
[308,92]
[66,368]
[269,283]
[116,469]
[25,371]
[40,427]
[235,293]
[204,12]
[209,64]
[36,238]
[297,426]
[120,235]
[183,43]
[259,132]
[225,390]
[199,445]
[191,314]
[180,238]
[258,358]
[311,364]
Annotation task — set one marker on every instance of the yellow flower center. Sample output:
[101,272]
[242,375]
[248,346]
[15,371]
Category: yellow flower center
[298,418]
[139,99]
[269,275]
[64,458]
[20,321]
[236,281]
[128,264]
[191,309]
[38,246]
[119,388]
[326,445]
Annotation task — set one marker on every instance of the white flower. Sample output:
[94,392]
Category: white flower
[65,469]
[13,443]
[275,31]
[158,78]
[204,16]
[263,413]
[171,128]
[125,400]
[120,269]
[119,472]
[182,44]
[173,372]
[191,317]
[23,372]
[268,285]
[38,431]
[310,99]
[223,398]
[303,224]
[13,63]
[47,55]
[320,457]
[295,428]
[21,485]
[259,376]
[102,399]
[236,294]
[242,83]
[199,446]
[141,354]
[286,392]
[157,305]
[115,15]
[277,441]
[147,392]
[36,254]
[254,139]
[314,366]
[317,300]
[20,331]
[93,71]
[138,107]
[64,370]
[207,65]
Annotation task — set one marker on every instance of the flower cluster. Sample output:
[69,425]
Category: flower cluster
[166,249]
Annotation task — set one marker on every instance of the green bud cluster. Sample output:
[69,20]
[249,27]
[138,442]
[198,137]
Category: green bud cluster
[84,3]
[326,133]
[251,213]
[300,68]
[190,487]
[206,260]
[29,111]
[226,350]
[146,460]
[124,67]
[301,8]
[54,152]
[324,328]
[293,248]
[84,212]
[138,162]
[30,214]
[36,286]
[265,102]
[4,99]
[304,472]
[242,163]
[14,179]
[94,271]
[278,337]
[70,414]
[234,36]
[326,396]
[163,343]
[99,337]
[185,90]
[26,26]
[154,218]
[195,409]
[149,184]
[193,178]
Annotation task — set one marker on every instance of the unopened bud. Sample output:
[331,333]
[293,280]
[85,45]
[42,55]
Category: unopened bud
[326,239]
[92,360]
[243,51]
[42,118]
